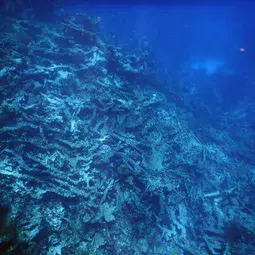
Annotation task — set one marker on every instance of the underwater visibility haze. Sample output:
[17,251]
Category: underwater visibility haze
[127,128]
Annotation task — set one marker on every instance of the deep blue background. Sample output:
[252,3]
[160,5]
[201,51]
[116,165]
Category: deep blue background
[186,39]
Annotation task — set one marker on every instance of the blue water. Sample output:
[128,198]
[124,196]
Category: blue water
[216,39]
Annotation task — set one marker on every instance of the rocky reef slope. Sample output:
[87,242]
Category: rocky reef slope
[97,158]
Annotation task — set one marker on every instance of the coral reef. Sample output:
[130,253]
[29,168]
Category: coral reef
[97,158]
